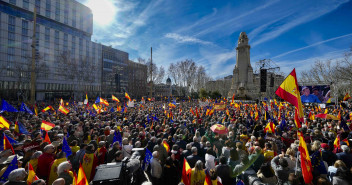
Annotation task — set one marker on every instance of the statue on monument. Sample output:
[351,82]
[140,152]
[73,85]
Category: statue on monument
[242,82]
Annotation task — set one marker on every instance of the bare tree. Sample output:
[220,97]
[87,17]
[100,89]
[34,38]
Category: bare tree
[160,76]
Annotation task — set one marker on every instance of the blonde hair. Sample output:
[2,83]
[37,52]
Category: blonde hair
[339,163]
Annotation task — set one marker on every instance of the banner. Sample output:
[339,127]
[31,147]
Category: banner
[203,103]
[130,103]
[219,106]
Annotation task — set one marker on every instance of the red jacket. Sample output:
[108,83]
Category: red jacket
[44,162]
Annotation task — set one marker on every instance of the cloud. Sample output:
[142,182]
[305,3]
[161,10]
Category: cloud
[186,39]
[312,45]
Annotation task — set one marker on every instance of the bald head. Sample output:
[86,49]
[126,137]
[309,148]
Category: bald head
[59,181]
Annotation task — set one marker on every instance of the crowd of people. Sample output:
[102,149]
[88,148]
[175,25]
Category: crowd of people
[246,153]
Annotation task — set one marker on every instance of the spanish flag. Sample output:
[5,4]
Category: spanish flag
[207,178]
[103,101]
[81,177]
[297,121]
[306,164]
[31,175]
[228,112]
[128,97]
[63,110]
[4,123]
[47,126]
[47,139]
[191,110]
[270,128]
[329,100]
[47,108]
[347,96]
[114,98]
[166,146]
[289,91]
[186,172]
[311,116]
[36,110]
[7,145]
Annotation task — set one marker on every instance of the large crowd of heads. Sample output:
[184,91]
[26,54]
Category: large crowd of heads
[245,153]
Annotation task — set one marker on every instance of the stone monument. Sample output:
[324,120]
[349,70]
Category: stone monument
[243,82]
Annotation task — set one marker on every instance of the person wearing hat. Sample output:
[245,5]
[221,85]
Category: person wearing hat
[327,155]
[306,97]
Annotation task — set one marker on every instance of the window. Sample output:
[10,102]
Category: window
[26,4]
[37,6]
[24,27]
[65,42]
[74,17]
[48,8]
[47,34]
[66,12]
[57,11]
[12,2]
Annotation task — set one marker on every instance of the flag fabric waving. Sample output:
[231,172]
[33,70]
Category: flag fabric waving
[47,139]
[115,99]
[347,96]
[47,126]
[289,91]
[186,171]
[66,148]
[148,157]
[63,110]
[117,137]
[12,166]
[4,123]
[127,96]
[306,165]
[167,147]
[24,108]
[47,108]
[6,107]
[270,127]
[81,177]
[7,145]
[31,175]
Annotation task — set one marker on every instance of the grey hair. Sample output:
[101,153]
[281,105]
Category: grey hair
[63,166]
[155,154]
[147,183]
[138,144]
[36,154]
[195,139]
[47,147]
[18,173]
[188,146]
[194,150]
[345,148]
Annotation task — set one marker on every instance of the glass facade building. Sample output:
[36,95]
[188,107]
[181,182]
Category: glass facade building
[68,63]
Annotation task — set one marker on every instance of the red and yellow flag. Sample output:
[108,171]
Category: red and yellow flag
[7,145]
[63,110]
[4,123]
[47,139]
[104,102]
[207,180]
[289,91]
[114,98]
[297,121]
[311,116]
[270,128]
[127,96]
[36,110]
[81,177]
[186,172]
[306,164]
[47,126]
[347,96]
[47,108]
[167,147]
[31,175]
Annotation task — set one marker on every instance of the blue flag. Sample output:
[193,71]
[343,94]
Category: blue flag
[265,99]
[25,109]
[117,137]
[155,118]
[22,129]
[283,124]
[112,109]
[12,166]
[148,157]
[344,125]
[7,107]
[97,100]
[317,163]
[66,148]
[240,182]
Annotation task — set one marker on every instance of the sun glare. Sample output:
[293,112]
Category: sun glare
[103,11]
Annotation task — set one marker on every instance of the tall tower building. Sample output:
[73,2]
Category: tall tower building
[242,82]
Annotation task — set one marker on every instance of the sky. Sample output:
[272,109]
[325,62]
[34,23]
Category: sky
[293,34]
